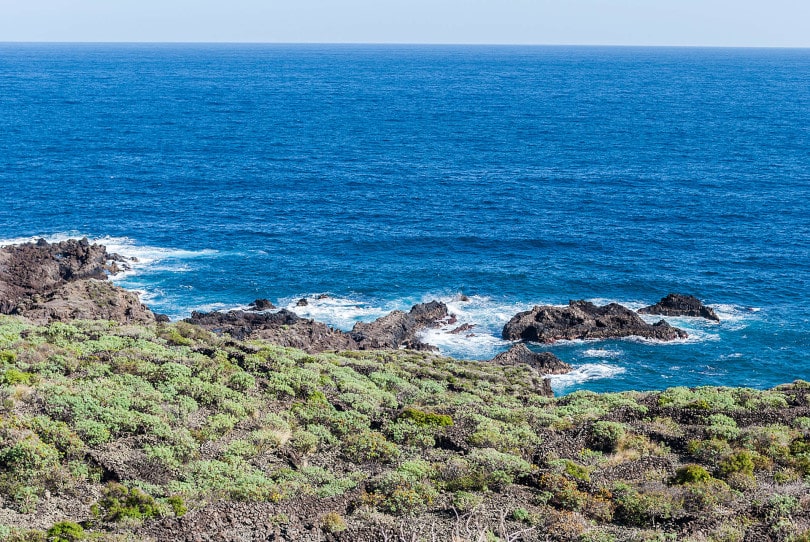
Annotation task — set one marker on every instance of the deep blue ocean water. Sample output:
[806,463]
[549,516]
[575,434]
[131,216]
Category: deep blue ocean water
[389,175]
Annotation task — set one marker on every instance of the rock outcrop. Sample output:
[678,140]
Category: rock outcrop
[544,362]
[64,281]
[681,305]
[584,320]
[283,327]
[395,330]
[399,329]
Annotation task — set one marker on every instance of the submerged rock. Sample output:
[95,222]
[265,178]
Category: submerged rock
[681,305]
[544,362]
[584,320]
[63,281]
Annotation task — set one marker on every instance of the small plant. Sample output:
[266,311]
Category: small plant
[605,436]
[465,502]
[691,474]
[333,523]
[427,419]
[740,462]
[119,503]
[65,531]
[177,504]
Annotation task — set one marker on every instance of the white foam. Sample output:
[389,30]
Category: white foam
[585,373]
[601,353]
[144,256]
[339,312]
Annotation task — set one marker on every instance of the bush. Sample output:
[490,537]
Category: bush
[177,504]
[426,418]
[369,446]
[333,523]
[65,531]
[464,501]
[119,502]
[605,436]
[691,474]
[741,462]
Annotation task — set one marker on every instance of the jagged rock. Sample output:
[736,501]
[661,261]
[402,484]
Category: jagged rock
[399,329]
[681,305]
[64,281]
[584,320]
[262,305]
[302,302]
[89,299]
[462,328]
[544,362]
[283,327]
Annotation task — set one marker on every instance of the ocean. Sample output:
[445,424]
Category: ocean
[384,176]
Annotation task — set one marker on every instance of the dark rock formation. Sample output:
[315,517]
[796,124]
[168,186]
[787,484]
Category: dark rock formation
[399,329]
[462,328]
[584,320]
[302,302]
[283,327]
[64,281]
[286,328]
[681,305]
[544,362]
[262,305]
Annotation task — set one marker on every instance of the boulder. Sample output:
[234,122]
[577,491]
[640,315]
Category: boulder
[681,305]
[544,362]
[262,305]
[584,320]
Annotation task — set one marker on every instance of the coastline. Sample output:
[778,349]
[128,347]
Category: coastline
[135,426]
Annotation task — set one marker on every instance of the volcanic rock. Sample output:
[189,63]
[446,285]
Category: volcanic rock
[64,281]
[400,329]
[681,305]
[284,328]
[262,305]
[544,362]
[584,320]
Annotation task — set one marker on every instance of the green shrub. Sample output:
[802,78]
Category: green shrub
[65,531]
[118,503]
[12,377]
[369,446]
[177,504]
[465,502]
[641,509]
[563,492]
[691,474]
[605,436]
[333,523]
[426,419]
[740,462]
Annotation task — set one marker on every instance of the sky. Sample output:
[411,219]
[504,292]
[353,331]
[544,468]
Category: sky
[735,23]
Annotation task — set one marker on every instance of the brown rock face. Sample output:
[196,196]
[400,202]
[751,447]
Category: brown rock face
[681,305]
[63,281]
[544,362]
[584,320]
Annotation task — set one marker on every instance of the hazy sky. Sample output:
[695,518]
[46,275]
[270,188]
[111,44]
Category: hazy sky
[783,23]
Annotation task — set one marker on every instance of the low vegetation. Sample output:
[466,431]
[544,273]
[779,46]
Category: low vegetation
[114,432]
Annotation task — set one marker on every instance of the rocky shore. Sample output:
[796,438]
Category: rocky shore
[116,424]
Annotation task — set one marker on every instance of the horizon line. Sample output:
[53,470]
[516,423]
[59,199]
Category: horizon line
[411,44]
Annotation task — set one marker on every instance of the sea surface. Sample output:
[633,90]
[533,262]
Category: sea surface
[384,176]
